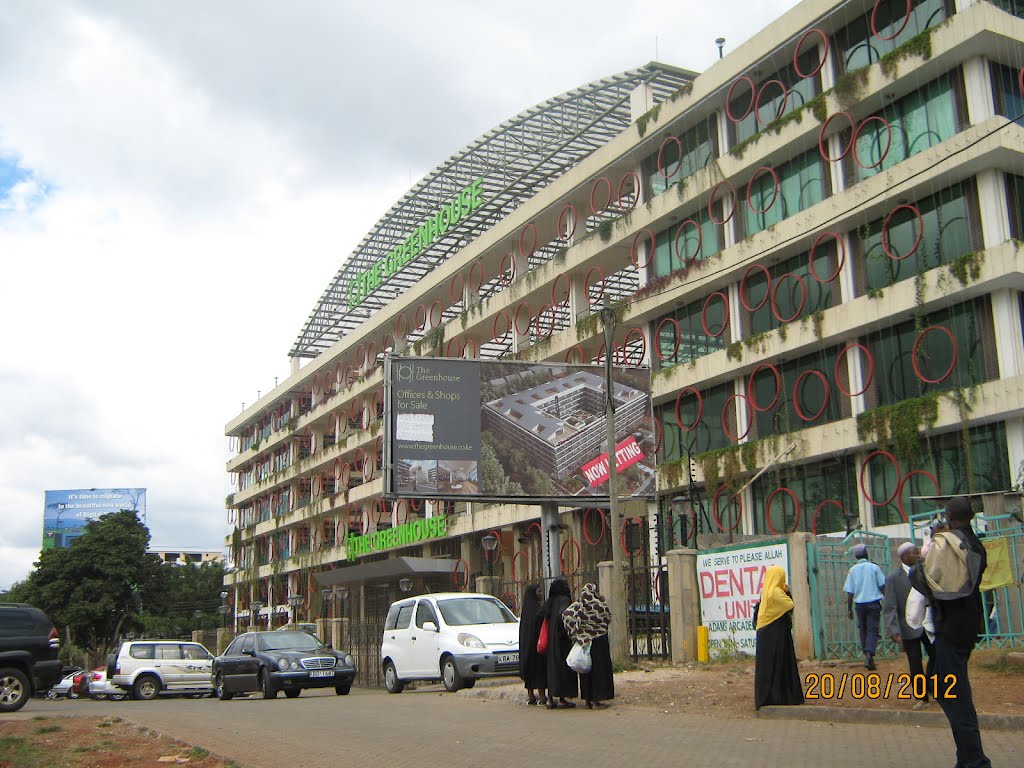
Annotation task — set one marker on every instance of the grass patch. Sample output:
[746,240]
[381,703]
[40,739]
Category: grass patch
[1001,663]
[198,753]
[18,752]
[48,729]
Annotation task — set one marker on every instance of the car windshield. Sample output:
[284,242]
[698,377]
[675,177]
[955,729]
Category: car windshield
[461,611]
[288,641]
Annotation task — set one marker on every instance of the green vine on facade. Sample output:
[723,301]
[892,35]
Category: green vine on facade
[849,87]
[919,46]
[650,115]
[967,268]
[900,425]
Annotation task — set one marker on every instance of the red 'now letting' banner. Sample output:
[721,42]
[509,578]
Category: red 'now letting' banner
[627,453]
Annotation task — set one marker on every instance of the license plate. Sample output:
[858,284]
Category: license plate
[508,658]
[322,673]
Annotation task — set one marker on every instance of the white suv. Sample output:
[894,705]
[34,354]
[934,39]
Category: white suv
[453,637]
[146,668]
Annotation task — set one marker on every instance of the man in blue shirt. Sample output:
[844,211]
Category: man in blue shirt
[863,587]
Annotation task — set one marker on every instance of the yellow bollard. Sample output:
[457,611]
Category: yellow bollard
[702,643]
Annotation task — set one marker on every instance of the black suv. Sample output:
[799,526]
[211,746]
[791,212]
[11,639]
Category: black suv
[28,655]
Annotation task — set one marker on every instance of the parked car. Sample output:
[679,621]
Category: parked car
[63,688]
[147,668]
[281,660]
[101,688]
[79,684]
[28,655]
[454,637]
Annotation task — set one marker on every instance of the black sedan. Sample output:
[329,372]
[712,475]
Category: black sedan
[282,660]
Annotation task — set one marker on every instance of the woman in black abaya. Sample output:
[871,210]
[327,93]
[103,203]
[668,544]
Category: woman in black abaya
[776,677]
[587,622]
[533,667]
[563,683]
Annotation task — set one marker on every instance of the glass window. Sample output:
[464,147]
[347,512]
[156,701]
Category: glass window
[860,47]
[168,651]
[780,93]
[404,616]
[792,292]
[941,235]
[916,122]
[695,239]
[801,183]
[1006,91]
[463,611]
[703,419]
[789,407]
[425,613]
[15,623]
[685,334]
[195,652]
[1014,7]
[143,651]
[249,644]
[1015,201]
[680,159]
[818,498]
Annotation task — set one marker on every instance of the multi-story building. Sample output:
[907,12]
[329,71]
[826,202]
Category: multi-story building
[815,244]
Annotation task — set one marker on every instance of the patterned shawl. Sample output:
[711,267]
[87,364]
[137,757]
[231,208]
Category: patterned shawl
[588,617]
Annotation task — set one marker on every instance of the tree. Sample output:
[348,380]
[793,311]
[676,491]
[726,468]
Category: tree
[180,591]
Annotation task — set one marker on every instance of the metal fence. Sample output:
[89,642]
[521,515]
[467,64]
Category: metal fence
[364,645]
[648,611]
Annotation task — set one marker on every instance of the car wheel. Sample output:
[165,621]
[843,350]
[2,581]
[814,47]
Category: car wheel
[342,690]
[220,690]
[14,689]
[450,675]
[292,693]
[98,696]
[118,696]
[391,682]
[267,687]
[146,688]
[468,682]
[72,695]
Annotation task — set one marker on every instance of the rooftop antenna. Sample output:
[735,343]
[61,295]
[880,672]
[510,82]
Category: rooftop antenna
[720,42]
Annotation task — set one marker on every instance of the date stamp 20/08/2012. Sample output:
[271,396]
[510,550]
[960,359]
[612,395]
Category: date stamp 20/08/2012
[875,686]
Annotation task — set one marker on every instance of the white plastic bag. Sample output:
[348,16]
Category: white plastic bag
[579,658]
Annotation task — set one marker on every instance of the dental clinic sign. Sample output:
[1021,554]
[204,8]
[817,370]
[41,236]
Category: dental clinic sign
[730,581]
[460,206]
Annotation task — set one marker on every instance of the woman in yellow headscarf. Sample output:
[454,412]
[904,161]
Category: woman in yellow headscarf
[776,677]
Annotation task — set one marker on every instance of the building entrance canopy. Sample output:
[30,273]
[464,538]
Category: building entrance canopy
[386,571]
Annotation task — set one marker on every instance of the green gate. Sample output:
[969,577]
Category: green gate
[828,562]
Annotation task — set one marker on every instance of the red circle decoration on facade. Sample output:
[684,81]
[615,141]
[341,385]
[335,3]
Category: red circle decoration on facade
[604,526]
[586,284]
[359,459]
[728,98]
[420,318]
[632,251]
[775,294]
[460,585]
[564,236]
[775,189]
[700,243]
[700,409]
[864,469]
[550,309]
[661,151]
[561,556]
[346,475]
[704,310]
[575,351]
[659,432]
[750,387]
[316,486]
[622,536]
[436,311]
[743,286]
[350,377]
[874,21]
[515,318]
[555,301]
[371,355]
[657,339]
[515,574]
[917,344]
[494,325]
[608,198]
[530,227]
[471,349]
[317,385]
[388,343]
[458,347]
[796,394]
[718,518]
[475,287]
[856,135]
[823,136]
[817,511]
[757,101]
[506,274]
[840,261]
[711,202]
[532,526]
[492,556]
[768,510]
[885,231]
[799,45]
[867,379]
[378,449]
[903,482]
[636,190]
[360,356]
[404,506]
[401,326]
[725,417]
[643,346]
[453,294]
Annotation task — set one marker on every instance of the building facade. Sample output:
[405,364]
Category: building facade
[815,245]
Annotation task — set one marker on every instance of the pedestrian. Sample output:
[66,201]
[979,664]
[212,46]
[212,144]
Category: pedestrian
[863,588]
[776,676]
[587,622]
[533,666]
[958,622]
[563,683]
[913,640]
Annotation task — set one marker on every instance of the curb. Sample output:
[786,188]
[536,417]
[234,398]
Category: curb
[885,717]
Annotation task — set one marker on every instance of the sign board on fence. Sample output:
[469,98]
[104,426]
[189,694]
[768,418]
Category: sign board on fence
[730,583]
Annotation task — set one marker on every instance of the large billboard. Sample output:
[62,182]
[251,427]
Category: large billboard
[513,431]
[68,512]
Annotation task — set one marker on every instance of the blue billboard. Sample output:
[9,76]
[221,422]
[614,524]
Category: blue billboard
[68,512]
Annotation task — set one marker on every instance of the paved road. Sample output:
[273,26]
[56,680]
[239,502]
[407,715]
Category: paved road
[430,728]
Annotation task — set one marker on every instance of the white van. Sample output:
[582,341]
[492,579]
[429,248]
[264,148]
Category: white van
[455,637]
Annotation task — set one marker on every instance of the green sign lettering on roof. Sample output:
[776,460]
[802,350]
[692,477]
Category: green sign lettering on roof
[400,536]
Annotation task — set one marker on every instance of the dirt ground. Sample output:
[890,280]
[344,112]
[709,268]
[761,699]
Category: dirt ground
[94,742]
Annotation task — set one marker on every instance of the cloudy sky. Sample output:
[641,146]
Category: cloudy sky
[180,181]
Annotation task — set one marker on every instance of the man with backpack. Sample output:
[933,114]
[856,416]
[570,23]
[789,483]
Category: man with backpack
[950,577]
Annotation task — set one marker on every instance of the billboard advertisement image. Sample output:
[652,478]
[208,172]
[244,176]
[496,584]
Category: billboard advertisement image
[68,512]
[513,431]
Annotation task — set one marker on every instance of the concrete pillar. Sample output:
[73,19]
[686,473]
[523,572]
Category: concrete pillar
[488,585]
[684,601]
[978,89]
[224,636]
[618,633]
[799,585]
[552,540]
[339,633]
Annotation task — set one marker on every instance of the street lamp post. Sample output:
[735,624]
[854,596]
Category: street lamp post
[680,509]
[490,542]
[294,601]
[405,584]
[224,608]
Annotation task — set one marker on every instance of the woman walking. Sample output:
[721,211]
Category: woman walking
[533,666]
[587,621]
[776,677]
[562,682]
